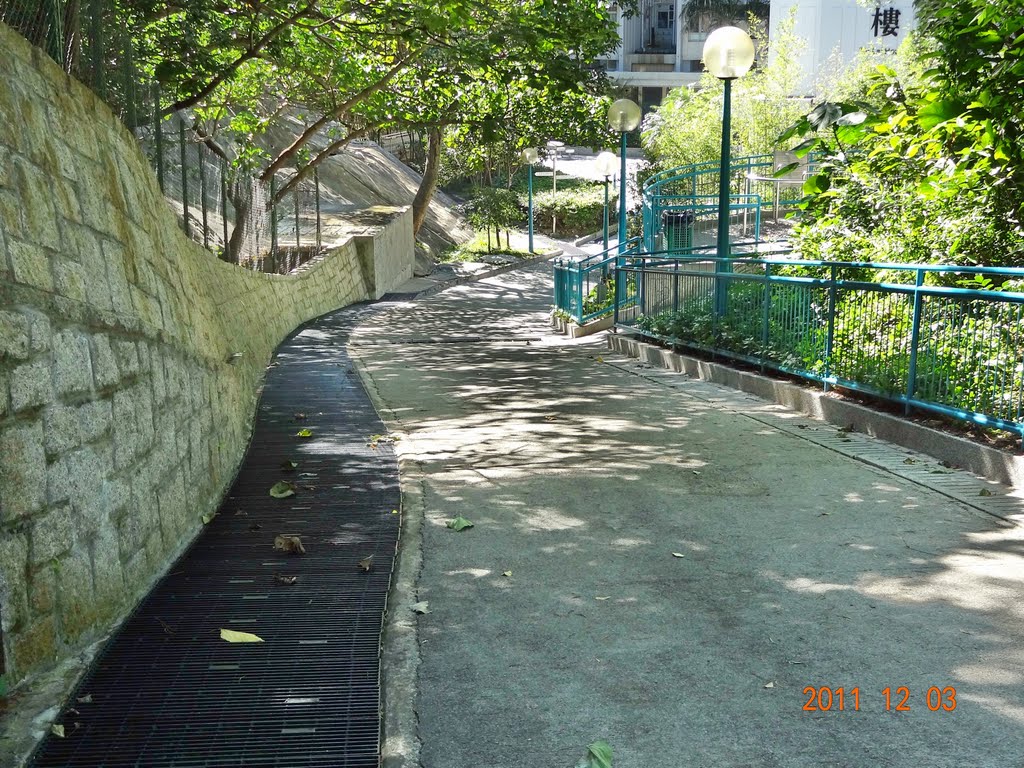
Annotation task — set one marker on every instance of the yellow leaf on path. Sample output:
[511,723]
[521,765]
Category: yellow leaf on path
[609,597]
[678,554]
[770,685]
[57,730]
[506,573]
[600,359]
[239,637]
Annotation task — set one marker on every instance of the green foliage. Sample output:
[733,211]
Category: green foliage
[349,67]
[968,352]
[926,168]
[493,208]
[579,210]
[687,127]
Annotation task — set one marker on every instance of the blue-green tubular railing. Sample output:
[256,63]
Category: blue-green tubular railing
[584,288]
[912,334]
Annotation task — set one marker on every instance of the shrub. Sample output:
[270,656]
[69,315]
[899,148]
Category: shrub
[579,211]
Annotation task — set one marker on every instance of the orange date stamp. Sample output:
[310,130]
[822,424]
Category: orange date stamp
[827,699]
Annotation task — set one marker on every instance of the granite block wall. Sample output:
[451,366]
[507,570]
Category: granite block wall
[124,409]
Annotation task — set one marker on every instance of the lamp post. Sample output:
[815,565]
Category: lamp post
[530,156]
[623,116]
[728,55]
[605,164]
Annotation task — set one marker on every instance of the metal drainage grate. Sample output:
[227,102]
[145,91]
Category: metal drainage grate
[167,691]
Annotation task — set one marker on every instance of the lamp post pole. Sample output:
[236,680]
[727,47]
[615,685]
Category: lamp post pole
[623,116]
[728,55]
[724,173]
[604,231]
[622,196]
[530,157]
[605,164]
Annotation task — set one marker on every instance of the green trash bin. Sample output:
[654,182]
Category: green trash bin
[678,229]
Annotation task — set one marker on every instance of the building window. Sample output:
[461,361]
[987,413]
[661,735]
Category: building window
[667,18]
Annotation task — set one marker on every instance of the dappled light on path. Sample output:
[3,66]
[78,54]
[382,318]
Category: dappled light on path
[679,571]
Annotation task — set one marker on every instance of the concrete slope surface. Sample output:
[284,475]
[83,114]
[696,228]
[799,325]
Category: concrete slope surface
[658,570]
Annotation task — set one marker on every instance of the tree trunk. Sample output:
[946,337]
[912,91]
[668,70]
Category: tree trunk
[430,170]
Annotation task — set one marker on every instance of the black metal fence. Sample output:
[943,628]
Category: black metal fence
[229,211]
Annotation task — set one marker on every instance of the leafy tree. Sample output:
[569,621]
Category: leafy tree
[932,171]
[687,127]
[356,66]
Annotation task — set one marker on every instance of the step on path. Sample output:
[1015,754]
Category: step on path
[168,691]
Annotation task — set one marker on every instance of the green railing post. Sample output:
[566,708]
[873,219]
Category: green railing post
[766,314]
[831,334]
[915,337]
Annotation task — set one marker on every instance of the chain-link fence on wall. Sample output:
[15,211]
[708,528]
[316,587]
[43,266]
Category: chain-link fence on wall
[230,212]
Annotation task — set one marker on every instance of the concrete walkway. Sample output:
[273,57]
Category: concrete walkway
[652,567]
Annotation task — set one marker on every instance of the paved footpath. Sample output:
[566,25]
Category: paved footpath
[652,567]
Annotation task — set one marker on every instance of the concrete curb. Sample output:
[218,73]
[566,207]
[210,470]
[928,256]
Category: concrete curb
[987,462]
[400,654]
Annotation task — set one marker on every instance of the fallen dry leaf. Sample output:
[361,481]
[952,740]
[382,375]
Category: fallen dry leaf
[506,573]
[282,489]
[366,564]
[300,416]
[984,492]
[87,699]
[770,685]
[678,554]
[304,433]
[232,636]
[286,580]
[608,597]
[57,730]
[287,542]
[421,607]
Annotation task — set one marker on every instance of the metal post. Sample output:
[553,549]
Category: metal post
[184,175]
[554,190]
[529,224]
[605,231]
[159,134]
[202,199]
[316,182]
[273,221]
[766,313]
[224,206]
[298,243]
[622,196]
[96,44]
[915,337]
[722,250]
[830,337]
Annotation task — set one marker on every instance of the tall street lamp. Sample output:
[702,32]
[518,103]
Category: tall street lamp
[728,55]
[623,116]
[605,164]
[530,156]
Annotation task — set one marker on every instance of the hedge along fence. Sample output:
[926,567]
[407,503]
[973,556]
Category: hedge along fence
[579,210]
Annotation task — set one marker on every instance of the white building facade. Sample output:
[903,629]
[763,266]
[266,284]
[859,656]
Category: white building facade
[659,52]
[840,28]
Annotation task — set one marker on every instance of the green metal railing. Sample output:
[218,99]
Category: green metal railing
[585,288]
[911,334]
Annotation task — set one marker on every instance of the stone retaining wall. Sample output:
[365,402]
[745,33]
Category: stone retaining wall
[130,361]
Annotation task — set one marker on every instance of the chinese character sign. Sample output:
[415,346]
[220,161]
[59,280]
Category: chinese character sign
[886,22]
